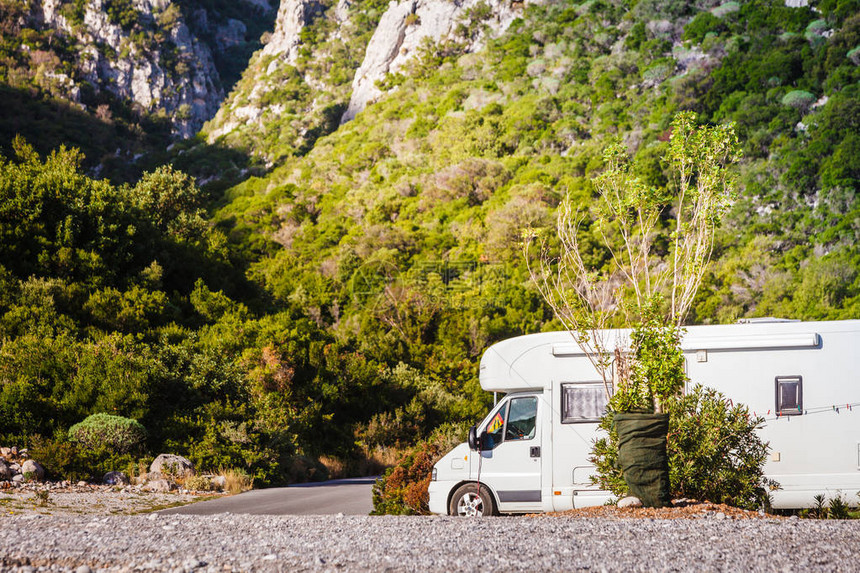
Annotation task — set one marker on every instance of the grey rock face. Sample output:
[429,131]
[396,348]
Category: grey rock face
[403,29]
[113,59]
[171,464]
[5,472]
[293,16]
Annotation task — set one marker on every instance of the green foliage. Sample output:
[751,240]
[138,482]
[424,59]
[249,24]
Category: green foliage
[353,282]
[714,452]
[657,368]
[704,23]
[838,509]
[67,460]
[798,99]
[105,430]
[122,13]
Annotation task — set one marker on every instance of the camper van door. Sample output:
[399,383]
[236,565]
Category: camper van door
[510,461]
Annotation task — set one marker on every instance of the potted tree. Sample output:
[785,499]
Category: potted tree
[658,243]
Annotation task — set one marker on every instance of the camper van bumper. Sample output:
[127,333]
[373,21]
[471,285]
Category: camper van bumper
[439,491]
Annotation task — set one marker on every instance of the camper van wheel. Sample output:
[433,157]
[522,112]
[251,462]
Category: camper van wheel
[467,501]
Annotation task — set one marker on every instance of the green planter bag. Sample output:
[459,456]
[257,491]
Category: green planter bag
[642,456]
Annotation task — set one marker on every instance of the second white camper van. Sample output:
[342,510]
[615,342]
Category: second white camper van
[804,377]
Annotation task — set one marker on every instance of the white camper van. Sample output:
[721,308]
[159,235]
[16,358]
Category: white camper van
[803,377]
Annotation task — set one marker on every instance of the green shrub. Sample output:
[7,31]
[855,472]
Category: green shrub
[701,25]
[798,99]
[64,460]
[115,432]
[199,483]
[714,452]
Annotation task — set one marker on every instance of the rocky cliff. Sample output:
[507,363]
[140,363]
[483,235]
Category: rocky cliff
[146,55]
[326,62]
[409,26]
[151,62]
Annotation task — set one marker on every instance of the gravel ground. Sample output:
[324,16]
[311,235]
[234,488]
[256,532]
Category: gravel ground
[88,500]
[320,543]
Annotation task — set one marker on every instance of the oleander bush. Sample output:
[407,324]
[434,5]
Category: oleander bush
[402,490]
[714,452]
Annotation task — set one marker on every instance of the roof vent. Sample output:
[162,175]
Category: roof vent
[765,320]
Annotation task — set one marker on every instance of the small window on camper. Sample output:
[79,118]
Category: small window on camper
[582,402]
[789,395]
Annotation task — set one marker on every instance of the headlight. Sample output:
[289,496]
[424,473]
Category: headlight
[433,474]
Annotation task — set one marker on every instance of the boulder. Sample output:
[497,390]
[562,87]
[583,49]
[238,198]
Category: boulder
[170,464]
[630,501]
[35,468]
[5,472]
[116,478]
[157,486]
[18,478]
[219,482]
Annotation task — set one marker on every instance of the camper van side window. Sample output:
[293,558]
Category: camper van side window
[789,395]
[582,402]
[522,419]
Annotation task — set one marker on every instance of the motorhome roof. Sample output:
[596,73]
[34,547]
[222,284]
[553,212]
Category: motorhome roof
[532,361]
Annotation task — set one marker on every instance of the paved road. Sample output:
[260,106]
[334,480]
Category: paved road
[346,496]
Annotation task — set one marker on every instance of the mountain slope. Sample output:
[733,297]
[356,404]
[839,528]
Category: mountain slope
[334,304]
[140,72]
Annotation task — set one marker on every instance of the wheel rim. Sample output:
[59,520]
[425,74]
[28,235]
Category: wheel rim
[470,505]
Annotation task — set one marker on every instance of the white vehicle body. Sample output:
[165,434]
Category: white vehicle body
[807,369]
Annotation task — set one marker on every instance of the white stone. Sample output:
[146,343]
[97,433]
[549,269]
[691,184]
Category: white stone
[35,468]
[139,75]
[172,464]
[157,486]
[629,501]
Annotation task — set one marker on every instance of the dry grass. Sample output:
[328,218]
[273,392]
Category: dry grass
[235,481]
[336,467]
[371,463]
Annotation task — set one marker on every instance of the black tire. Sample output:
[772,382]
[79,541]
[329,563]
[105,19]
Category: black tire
[467,501]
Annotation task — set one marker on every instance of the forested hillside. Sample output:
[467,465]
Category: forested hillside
[334,305]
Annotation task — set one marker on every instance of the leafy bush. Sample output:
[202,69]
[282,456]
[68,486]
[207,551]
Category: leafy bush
[198,483]
[104,430]
[64,460]
[701,25]
[714,452]
[798,99]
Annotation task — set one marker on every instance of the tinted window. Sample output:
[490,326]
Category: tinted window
[789,395]
[582,402]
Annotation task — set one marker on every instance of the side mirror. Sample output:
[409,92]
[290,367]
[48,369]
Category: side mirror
[485,441]
[473,438]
